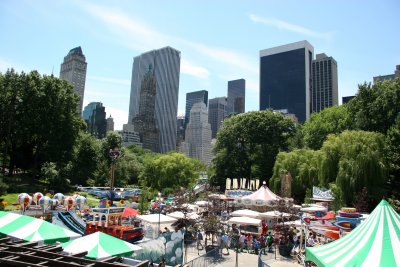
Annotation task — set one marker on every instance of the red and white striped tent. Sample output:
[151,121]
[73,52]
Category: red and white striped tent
[262,197]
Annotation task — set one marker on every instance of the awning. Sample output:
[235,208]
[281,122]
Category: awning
[31,229]
[244,221]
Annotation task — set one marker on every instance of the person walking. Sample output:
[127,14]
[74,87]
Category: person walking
[225,242]
[199,239]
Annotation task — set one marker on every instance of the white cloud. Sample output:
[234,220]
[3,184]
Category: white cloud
[109,80]
[283,25]
[227,56]
[193,70]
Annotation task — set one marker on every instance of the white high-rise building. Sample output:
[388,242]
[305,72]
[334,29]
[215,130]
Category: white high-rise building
[198,134]
[153,104]
[73,70]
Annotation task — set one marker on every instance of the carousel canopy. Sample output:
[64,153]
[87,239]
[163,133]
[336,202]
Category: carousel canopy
[263,196]
[100,246]
[246,213]
[375,242]
[31,229]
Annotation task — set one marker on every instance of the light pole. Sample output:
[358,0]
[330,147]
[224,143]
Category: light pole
[114,155]
[159,200]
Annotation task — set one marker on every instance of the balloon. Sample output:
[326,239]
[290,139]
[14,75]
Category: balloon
[36,197]
[80,201]
[24,200]
[69,202]
[60,197]
[45,202]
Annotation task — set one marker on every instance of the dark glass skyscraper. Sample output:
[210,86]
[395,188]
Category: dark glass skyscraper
[165,64]
[236,96]
[194,97]
[73,70]
[324,91]
[94,115]
[285,79]
[216,113]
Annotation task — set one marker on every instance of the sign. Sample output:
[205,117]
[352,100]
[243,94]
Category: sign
[320,193]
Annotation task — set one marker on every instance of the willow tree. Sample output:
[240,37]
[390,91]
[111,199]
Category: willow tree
[302,165]
[247,145]
[355,159]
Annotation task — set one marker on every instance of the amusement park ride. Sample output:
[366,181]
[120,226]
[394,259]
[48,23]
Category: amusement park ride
[62,209]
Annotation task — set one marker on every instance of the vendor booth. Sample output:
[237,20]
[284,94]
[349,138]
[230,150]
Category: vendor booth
[153,223]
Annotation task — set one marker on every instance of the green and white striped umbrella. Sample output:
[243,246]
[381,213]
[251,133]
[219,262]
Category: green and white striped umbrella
[100,246]
[31,229]
[375,242]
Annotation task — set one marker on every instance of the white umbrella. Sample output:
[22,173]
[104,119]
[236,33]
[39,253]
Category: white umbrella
[274,214]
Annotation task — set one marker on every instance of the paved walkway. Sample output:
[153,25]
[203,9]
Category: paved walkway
[244,259]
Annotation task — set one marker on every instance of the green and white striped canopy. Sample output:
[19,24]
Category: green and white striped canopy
[375,242]
[27,228]
[100,246]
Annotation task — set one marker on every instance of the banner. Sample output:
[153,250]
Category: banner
[319,193]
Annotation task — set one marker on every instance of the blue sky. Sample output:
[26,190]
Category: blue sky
[218,40]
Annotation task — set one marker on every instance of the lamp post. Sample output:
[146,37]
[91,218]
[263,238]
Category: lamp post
[114,155]
[159,200]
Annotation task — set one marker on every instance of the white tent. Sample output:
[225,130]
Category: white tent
[244,221]
[274,214]
[181,215]
[153,223]
[314,209]
[246,213]
[262,197]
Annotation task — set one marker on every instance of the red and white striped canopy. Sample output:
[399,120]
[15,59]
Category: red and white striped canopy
[263,197]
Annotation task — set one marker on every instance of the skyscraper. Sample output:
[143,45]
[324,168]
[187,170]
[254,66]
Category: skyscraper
[73,70]
[155,74]
[285,78]
[216,113]
[110,124]
[324,90]
[94,115]
[236,96]
[198,134]
[194,97]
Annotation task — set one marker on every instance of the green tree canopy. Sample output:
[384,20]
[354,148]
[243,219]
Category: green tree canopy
[302,165]
[248,143]
[376,107]
[39,120]
[354,159]
[172,170]
[333,120]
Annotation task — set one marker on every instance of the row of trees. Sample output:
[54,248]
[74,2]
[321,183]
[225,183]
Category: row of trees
[347,148]
[43,140]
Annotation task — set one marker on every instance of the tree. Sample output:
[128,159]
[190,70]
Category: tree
[40,120]
[247,145]
[333,120]
[392,152]
[354,160]
[85,160]
[302,165]
[170,170]
[376,107]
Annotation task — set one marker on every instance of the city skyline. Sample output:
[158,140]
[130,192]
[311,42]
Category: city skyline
[225,47]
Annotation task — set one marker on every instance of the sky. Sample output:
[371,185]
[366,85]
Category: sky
[218,40]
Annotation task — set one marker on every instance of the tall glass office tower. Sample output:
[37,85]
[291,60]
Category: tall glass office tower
[236,96]
[161,68]
[191,99]
[285,79]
